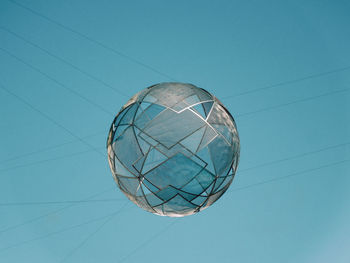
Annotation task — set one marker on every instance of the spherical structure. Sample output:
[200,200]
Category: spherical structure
[173,149]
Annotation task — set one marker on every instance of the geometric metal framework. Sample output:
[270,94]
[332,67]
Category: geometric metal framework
[173,149]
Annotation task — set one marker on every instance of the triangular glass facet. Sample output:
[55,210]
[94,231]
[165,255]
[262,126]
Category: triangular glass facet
[192,141]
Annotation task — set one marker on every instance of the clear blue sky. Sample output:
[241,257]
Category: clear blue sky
[58,62]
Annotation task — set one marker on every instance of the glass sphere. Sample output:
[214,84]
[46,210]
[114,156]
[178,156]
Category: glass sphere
[173,149]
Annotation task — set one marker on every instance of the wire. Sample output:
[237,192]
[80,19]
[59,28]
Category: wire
[294,157]
[163,230]
[274,85]
[50,119]
[237,189]
[289,82]
[287,176]
[72,91]
[48,148]
[85,240]
[239,172]
[290,103]
[147,241]
[237,116]
[264,182]
[234,190]
[60,202]
[98,43]
[53,212]
[60,231]
[46,160]
[65,62]
[265,109]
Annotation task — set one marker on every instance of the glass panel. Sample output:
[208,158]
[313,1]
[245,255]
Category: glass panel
[169,94]
[208,137]
[205,178]
[221,154]
[225,132]
[128,184]
[165,127]
[199,110]
[199,200]
[120,129]
[207,107]
[119,169]
[167,193]
[192,142]
[178,205]
[177,171]
[227,180]
[204,154]
[153,200]
[154,158]
[127,149]
[129,115]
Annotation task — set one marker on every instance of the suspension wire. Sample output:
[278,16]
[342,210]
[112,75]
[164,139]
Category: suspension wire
[279,178]
[47,160]
[48,148]
[62,60]
[72,91]
[110,216]
[147,241]
[157,234]
[99,228]
[237,116]
[289,82]
[61,202]
[331,147]
[56,211]
[293,102]
[258,89]
[61,230]
[49,118]
[96,42]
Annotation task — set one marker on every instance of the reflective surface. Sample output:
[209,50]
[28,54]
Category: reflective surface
[173,149]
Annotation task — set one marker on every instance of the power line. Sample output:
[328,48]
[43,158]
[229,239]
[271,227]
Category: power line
[237,189]
[239,115]
[279,84]
[46,116]
[284,83]
[294,157]
[61,202]
[56,211]
[72,91]
[147,241]
[248,113]
[48,148]
[288,176]
[243,114]
[293,102]
[60,231]
[158,233]
[289,82]
[46,160]
[96,42]
[85,240]
[239,172]
[64,61]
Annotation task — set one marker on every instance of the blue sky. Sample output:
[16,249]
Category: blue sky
[280,67]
